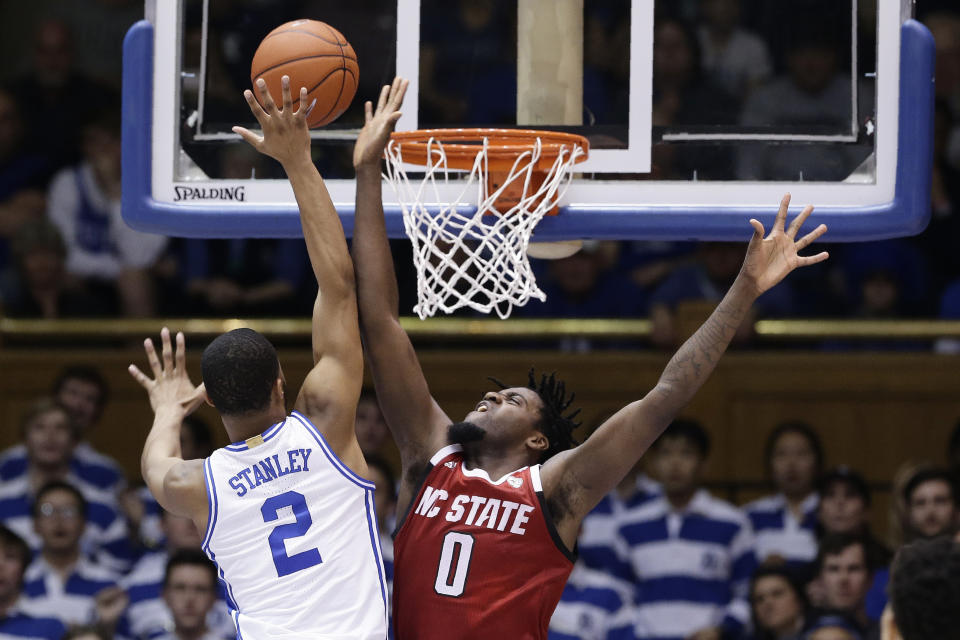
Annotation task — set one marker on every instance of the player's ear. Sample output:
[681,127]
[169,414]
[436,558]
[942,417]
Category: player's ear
[206,397]
[888,626]
[538,442]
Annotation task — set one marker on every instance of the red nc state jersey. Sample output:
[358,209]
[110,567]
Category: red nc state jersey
[474,558]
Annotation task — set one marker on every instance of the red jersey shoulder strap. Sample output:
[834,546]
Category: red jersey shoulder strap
[537,485]
[438,457]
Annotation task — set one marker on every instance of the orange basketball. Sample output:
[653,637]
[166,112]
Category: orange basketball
[315,56]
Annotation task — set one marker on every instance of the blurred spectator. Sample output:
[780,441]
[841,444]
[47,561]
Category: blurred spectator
[49,440]
[104,253]
[844,508]
[785,523]
[23,175]
[371,428]
[467,68]
[813,98]
[62,582]
[86,632]
[945,26]
[936,241]
[385,504]
[778,604]
[832,625]
[585,286]
[60,98]
[735,58]
[99,27]
[245,276]
[884,279]
[592,604]
[707,279]
[931,502]
[142,511]
[924,592]
[691,554]
[683,95]
[190,587]
[83,390]
[37,287]
[14,622]
[147,615]
[845,576]
[598,540]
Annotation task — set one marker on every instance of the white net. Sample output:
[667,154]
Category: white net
[472,255]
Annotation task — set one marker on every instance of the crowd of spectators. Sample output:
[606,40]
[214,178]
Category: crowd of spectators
[661,557]
[66,252]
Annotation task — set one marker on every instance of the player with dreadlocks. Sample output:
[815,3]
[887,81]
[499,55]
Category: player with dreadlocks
[491,506]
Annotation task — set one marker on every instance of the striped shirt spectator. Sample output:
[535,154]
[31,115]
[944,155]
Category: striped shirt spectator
[589,606]
[147,615]
[66,597]
[598,539]
[785,523]
[692,567]
[15,623]
[105,537]
[779,534]
[89,468]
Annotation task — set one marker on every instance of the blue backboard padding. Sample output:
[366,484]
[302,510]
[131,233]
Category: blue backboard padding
[907,214]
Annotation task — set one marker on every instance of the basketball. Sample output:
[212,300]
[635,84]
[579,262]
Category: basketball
[315,56]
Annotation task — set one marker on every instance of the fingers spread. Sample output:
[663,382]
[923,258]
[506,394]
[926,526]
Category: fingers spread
[367,111]
[804,261]
[302,109]
[758,230]
[139,376]
[255,107]
[253,139]
[382,101]
[181,354]
[285,94]
[152,357]
[805,241]
[782,213]
[400,90]
[167,350]
[269,106]
[799,220]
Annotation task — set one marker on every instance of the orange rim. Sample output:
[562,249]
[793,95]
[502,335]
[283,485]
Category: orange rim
[461,146]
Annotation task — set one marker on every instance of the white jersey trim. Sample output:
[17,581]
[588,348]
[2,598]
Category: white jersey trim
[338,464]
[535,478]
[480,473]
[443,453]
[211,507]
[272,431]
[377,553]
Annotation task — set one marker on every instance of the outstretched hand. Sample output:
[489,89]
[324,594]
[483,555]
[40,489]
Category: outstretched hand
[285,136]
[379,124]
[769,259]
[170,387]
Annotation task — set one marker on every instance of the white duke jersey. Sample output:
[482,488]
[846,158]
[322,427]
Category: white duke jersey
[294,534]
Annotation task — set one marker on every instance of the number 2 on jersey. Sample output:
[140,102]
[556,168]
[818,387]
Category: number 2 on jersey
[459,545]
[299,561]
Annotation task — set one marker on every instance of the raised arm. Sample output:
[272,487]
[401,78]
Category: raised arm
[177,484]
[417,422]
[585,474]
[330,391]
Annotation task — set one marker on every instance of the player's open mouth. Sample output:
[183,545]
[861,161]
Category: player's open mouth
[482,407]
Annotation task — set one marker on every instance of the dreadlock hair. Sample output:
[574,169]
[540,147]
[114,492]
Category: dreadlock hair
[557,427]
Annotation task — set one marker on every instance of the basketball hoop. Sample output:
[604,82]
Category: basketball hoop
[473,251]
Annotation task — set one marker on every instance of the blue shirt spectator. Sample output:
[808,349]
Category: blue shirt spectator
[780,533]
[599,541]
[15,623]
[589,606]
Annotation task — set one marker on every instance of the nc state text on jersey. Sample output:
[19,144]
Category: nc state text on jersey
[479,511]
[269,469]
